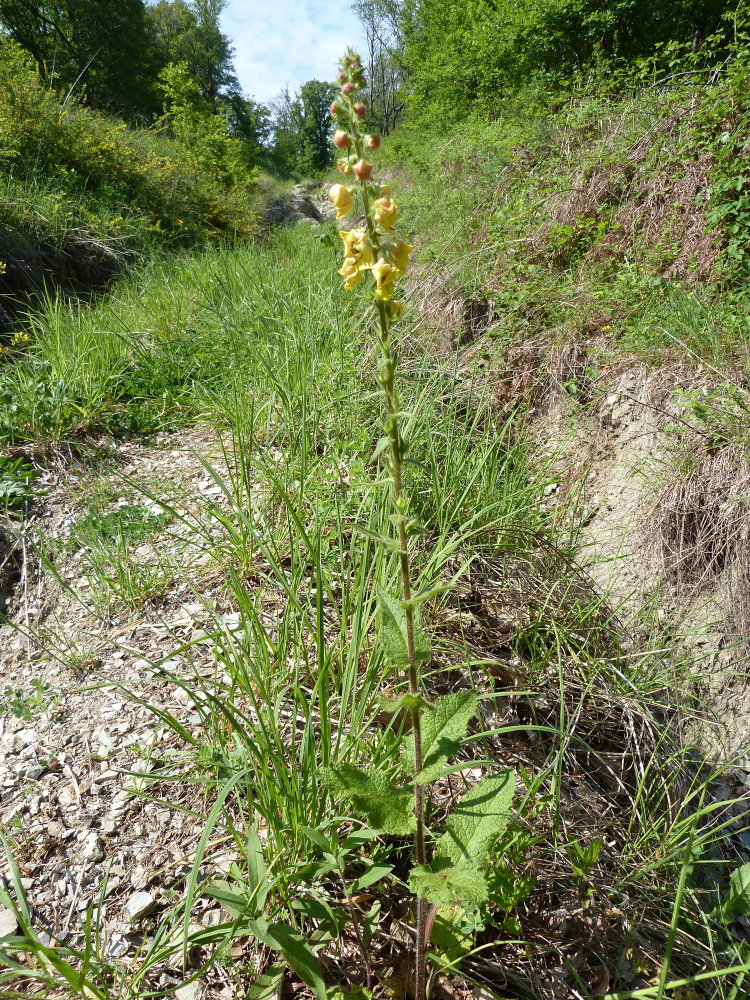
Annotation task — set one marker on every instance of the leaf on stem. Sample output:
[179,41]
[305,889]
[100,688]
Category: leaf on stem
[384,806]
[449,886]
[478,819]
[444,725]
[392,634]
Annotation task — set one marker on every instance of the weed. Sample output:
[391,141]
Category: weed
[26,704]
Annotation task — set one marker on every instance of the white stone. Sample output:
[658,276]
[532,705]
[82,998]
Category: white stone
[139,905]
[8,923]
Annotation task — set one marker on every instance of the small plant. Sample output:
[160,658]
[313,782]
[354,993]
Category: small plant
[16,478]
[26,704]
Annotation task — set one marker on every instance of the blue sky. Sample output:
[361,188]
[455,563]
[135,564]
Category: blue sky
[280,42]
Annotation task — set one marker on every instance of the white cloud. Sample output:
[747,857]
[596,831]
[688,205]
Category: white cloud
[280,42]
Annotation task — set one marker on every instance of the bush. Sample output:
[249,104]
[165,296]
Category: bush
[133,182]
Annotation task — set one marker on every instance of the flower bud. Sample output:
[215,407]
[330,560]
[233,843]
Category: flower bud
[334,108]
[341,76]
[344,166]
[360,109]
[340,139]
[373,141]
[348,88]
[362,170]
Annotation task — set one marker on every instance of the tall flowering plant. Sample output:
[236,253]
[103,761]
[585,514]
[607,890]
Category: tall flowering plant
[452,878]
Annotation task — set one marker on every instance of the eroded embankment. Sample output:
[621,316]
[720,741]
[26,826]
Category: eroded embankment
[649,464]
[33,268]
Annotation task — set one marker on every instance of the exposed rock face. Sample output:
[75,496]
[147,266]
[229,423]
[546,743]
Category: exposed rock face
[305,202]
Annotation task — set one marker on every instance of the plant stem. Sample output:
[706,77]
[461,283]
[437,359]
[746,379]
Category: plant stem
[388,381]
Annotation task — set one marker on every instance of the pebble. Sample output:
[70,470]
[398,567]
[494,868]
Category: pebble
[139,904]
[192,991]
[93,848]
[8,923]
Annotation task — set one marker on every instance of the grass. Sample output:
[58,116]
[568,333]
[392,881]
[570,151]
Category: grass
[263,343]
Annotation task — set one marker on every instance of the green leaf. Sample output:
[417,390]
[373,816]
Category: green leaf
[295,950]
[268,987]
[449,886]
[405,703]
[236,902]
[392,632]
[358,839]
[257,873]
[738,901]
[478,819]
[319,839]
[385,807]
[444,725]
[373,874]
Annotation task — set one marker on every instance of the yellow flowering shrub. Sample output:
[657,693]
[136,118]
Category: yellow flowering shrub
[144,180]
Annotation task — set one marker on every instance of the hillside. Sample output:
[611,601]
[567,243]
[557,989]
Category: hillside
[208,774]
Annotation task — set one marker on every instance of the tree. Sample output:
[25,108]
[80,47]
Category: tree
[466,54]
[382,21]
[99,48]
[314,117]
[190,33]
[302,129]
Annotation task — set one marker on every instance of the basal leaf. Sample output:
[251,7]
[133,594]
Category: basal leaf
[384,806]
[268,987]
[444,725]
[449,886]
[479,817]
[299,955]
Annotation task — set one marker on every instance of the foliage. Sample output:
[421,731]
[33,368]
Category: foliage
[97,48]
[467,56]
[133,184]
[190,33]
[203,134]
[301,130]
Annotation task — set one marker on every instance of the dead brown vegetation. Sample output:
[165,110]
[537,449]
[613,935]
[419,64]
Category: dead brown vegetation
[701,520]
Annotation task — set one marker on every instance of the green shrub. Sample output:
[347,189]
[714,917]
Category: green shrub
[133,182]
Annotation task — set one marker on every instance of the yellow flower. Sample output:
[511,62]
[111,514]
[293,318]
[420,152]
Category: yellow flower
[385,209]
[384,274]
[394,310]
[342,198]
[357,247]
[2,267]
[399,254]
[351,273]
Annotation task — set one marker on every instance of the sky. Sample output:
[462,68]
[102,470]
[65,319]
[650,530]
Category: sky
[280,42]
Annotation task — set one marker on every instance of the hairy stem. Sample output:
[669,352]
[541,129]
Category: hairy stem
[388,381]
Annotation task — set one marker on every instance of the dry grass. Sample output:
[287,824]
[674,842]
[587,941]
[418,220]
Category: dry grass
[701,521]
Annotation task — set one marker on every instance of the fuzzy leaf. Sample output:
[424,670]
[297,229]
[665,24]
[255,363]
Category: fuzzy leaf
[449,886]
[392,634]
[404,703]
[444,725]
[385,807]
[480,816]
[738,900]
